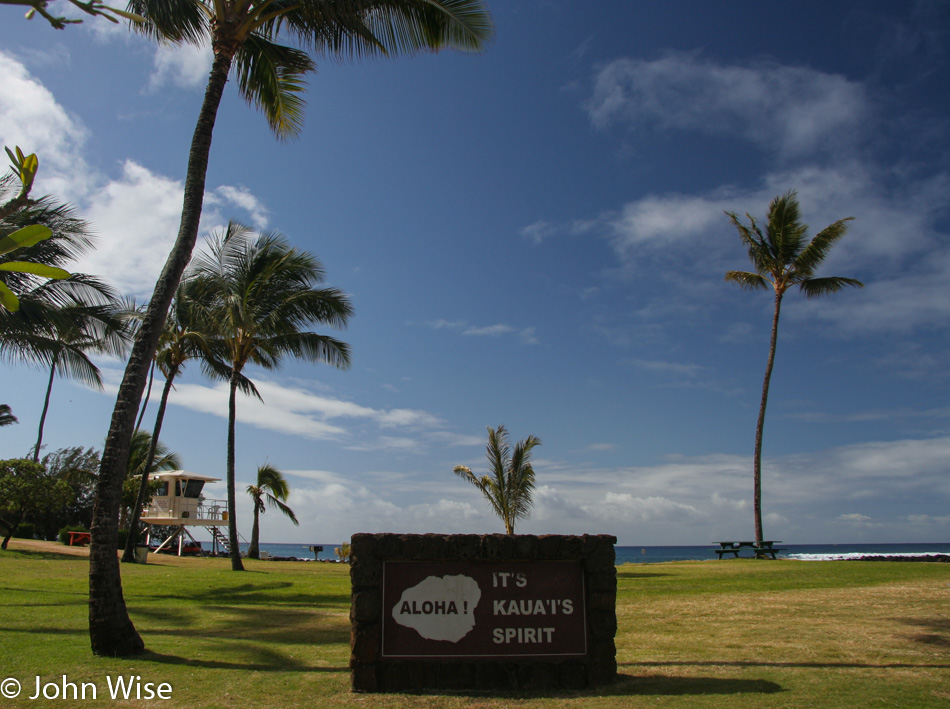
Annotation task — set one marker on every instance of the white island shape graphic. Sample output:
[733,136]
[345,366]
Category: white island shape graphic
[439,608]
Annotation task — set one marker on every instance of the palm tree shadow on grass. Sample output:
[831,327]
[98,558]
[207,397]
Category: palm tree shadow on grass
[252,594]
[633,575]
[269,662]
[938,631]
[306,621]
[34,555]
[628,685]
[237,632]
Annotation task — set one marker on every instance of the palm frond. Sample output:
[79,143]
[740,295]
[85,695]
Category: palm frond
[73,363]
[405,28]
[289,513]
[784,233]
[747,280]
[312,347]
[270,77]
[172,20]
[270,479]
[815,287]
[817,249]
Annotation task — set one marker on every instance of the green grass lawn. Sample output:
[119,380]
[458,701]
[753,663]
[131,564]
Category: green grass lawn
[691,634]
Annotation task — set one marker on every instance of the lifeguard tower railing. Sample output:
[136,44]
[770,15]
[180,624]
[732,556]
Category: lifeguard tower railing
[187,509]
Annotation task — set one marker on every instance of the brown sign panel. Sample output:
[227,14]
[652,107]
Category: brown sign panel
[483,609]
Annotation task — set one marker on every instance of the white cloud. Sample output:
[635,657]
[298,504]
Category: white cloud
[182,65]
[792,109]
[895,244]
[386,443]
[322,476]
[31,118]
[214,400]
[446,324]
[488,331]
[135,215]
[630,508]
[450,439]
[918,299]
[674,368]
[228,197]
[661,221]
[295,411]
[527,335]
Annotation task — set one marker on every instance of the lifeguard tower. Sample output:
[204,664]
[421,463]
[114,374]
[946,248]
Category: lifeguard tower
[178,503]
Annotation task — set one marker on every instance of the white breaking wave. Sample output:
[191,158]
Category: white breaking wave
[858,555]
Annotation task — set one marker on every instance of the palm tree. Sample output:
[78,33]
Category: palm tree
[57,323]
[271,489]
[91,329]
[146,455]
[6,415]
[510,483]
[782,258]
[270,76]
[259,291]
[183,338]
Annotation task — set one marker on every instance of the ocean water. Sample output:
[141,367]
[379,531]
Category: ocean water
[805,552]
[704,552]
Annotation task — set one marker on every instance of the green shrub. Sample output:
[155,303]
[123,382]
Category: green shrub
[64,532]
[26,530]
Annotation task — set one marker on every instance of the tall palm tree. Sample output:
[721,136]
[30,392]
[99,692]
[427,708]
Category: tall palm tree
[509,485]
[184,337]
[271,490]
[92,329]
[270,76]
[782,258]
[260,292]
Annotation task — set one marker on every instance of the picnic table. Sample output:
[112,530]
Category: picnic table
[762,550]
[79,539]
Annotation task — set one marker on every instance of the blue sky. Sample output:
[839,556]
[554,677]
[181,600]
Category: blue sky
[535,236]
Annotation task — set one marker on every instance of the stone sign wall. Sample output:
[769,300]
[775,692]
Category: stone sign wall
[482,612]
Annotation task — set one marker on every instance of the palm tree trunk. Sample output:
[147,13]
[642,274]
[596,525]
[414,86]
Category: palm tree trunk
[236,563]
[760,425]
[111,630]
[148,395]
[10,529]
[128,556]
[49,392]
[253,550]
